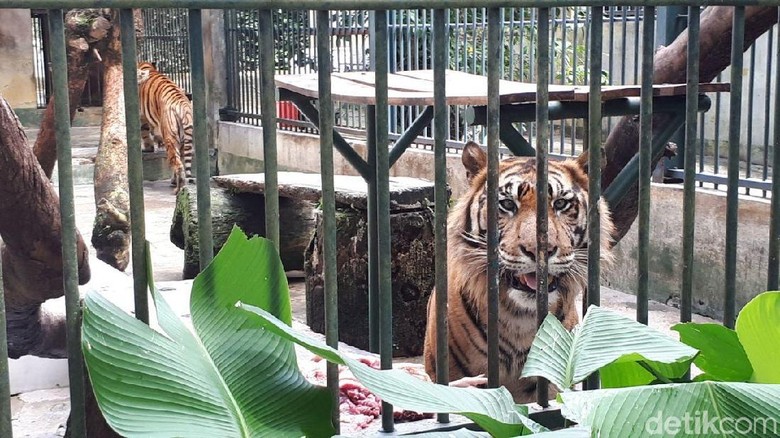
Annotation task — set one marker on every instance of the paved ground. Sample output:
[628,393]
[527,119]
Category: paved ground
[42,413]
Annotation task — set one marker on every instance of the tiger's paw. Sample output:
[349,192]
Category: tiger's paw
[479,381]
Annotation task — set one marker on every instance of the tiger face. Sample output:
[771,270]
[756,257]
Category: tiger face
[566,257]
[517,250]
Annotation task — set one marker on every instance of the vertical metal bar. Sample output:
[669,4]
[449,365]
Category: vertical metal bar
[689,185]
[6,429]
[767,105]
[542,203]
[328,204]
[268,112]
[494,46]
[773,266]
[749,127]
[732,199]
[594,167]
[373,254]
[200,138]
[382,194]
[645,157]
[70,278]
[440,125]
[135,175]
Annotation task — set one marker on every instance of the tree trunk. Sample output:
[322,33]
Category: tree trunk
[82,42]
[111,232]
[31,232]
[247,211]
[670,67]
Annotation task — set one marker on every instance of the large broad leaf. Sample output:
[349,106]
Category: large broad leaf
[721,356]
[758,329]
[687,409]
[624,374]
[492,409]
[604,337]
[234,379]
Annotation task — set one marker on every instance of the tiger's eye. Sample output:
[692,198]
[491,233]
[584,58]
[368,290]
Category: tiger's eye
[560,204]
[508,205]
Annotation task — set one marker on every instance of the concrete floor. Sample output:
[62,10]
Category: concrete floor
[40,407]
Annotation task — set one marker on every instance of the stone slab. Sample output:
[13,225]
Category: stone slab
[405,193]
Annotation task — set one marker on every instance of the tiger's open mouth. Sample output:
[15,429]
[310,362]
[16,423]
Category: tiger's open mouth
[528,283]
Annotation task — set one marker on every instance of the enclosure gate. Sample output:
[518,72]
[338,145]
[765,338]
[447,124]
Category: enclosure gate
[379,225]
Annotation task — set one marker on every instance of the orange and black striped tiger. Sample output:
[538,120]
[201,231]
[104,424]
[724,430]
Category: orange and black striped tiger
[467,265]
[166,120]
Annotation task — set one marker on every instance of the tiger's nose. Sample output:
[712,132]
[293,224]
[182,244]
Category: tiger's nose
[551,251]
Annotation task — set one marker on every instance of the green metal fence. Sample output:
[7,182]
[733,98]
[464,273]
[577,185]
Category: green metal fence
[410,47]
[377,126]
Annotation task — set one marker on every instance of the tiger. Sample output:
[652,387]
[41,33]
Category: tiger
[467,312]
[166,120]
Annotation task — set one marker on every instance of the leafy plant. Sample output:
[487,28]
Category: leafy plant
[228,378]
[750,353]
[237,374]
[603,338]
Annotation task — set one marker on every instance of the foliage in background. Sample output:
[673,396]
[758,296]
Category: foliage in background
[292,39]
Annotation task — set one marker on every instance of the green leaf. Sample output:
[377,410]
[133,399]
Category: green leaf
[492,409]
[604,337]
[677,409]
[625,374]
[232,379]
[721,355]
[758,329]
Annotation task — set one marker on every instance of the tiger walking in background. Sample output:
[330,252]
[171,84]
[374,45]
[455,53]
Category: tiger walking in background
[467,265]
[166,120]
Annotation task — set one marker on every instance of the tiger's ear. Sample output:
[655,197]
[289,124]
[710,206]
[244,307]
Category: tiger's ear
[582,160]
[474,159]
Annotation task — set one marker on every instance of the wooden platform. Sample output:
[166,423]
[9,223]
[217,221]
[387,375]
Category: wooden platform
[415,87]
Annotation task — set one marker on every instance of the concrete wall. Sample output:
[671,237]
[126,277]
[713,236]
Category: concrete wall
[709,250]
[240,150]
[17,78]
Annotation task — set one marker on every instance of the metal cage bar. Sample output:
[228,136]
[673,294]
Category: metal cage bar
[732,195]
[773,265]
[645,158]
[594,169]
[67,211]
[134,165]
[268,112]
[441,124]
[689,188]
[328,205]
[6,429]
[494,54]
[200,139]
[542,202]
[382,178]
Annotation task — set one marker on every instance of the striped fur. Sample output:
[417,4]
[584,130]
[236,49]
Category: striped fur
[166,120]
[467,265]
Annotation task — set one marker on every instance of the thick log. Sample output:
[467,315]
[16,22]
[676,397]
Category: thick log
[412,262]
[670,67]
[247,211]
[111,231]
[31,232]
[83,41]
